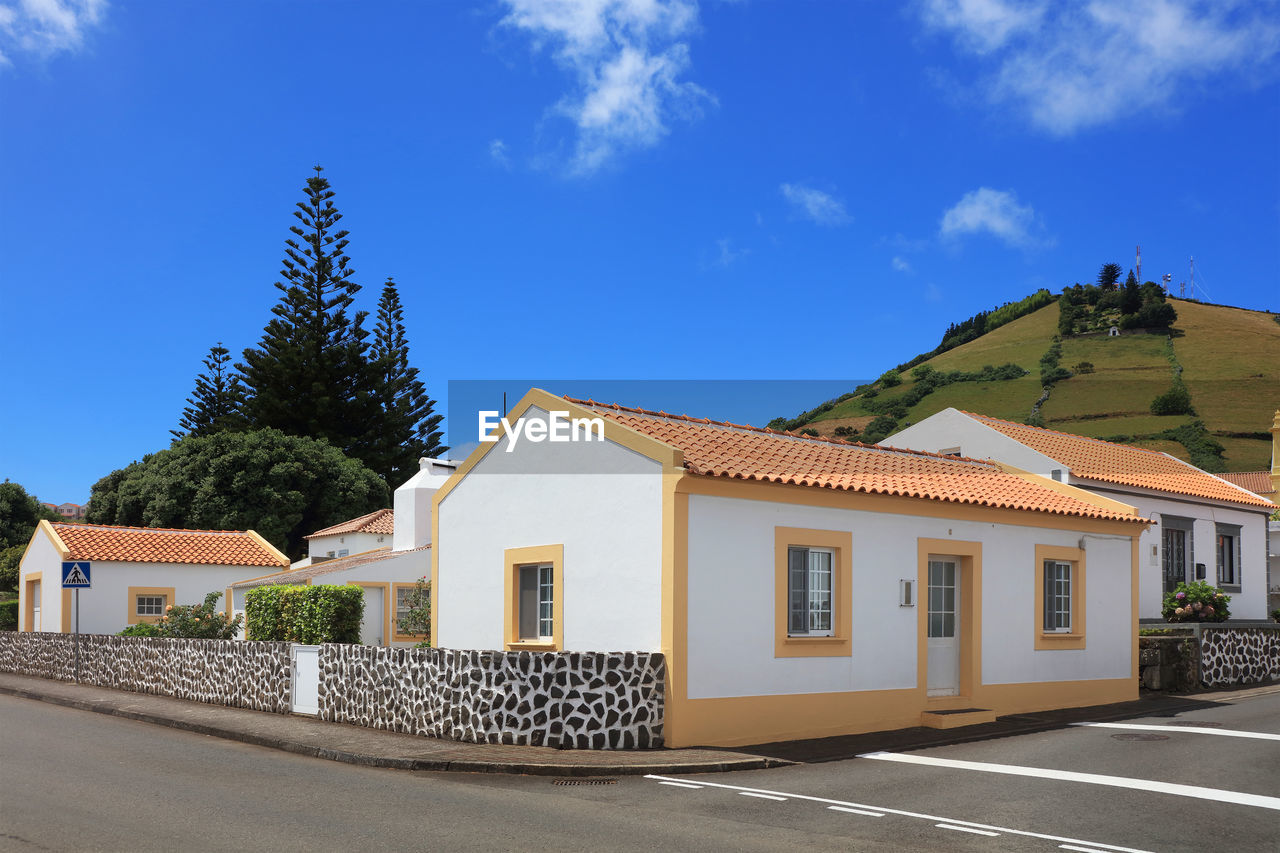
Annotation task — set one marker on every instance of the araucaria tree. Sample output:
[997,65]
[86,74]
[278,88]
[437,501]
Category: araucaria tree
[218,401]
[410,424]
[310,375]
[1109,276]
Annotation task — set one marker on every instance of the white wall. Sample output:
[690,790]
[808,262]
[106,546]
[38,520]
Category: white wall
[354,543]
[42,557]
[951,428]
[731,602]
[609,521]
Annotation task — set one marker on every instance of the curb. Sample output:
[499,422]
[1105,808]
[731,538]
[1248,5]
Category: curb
[418,764]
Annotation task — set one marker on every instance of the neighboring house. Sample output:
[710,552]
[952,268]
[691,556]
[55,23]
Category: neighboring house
[68,510]
[136,572]
[798,587]
[1267,484]
[387,572]
[359,535]
[1207,528]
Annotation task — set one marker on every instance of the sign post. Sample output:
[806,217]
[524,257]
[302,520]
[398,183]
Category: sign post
[75,575]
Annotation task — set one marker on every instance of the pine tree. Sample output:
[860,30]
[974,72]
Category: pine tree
[310,373]
[410,426]
[218,401]
[1109,276]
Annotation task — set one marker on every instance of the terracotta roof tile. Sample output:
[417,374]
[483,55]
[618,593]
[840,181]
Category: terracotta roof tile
[160,545]
[739,452]
[1108,462]
[1258,482]
[378,521]
[326,567]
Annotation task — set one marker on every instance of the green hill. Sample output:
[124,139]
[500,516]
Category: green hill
[1228,360]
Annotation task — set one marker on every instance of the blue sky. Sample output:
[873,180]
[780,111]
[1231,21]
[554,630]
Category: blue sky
[601,189]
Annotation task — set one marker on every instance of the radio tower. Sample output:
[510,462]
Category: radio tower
[1139,263]
[1193,276]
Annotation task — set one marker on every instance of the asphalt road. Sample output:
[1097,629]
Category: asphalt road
[74,780]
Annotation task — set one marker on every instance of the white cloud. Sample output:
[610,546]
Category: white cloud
[902,265]
[821,207]
[994,212]
[46,27]
[627,57]
[727,254]
[498,152]
[1083,63]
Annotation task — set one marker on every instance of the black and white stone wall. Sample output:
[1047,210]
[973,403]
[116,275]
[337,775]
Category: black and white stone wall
[561,699]
[1231,655]
[220,672]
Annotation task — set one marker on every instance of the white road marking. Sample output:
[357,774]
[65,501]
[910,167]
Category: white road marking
[1216,794]
[1095,846]
[966,829]
[856,811]
[1199,730]
[682,785]
[1080,849]
[762,796]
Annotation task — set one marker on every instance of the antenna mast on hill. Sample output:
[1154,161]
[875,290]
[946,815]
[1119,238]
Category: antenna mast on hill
[1139,263]
[1165,280]
[1193,276]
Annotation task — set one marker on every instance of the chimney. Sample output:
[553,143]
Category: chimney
[412,503]
[1275,452]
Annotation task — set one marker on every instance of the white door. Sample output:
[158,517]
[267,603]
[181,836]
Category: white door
[306,679]
[371,628]
[35,607]
[944,626]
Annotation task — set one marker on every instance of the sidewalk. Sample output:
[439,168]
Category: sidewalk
[376,748]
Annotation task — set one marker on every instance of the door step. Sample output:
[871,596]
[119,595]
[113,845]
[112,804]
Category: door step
[957,718]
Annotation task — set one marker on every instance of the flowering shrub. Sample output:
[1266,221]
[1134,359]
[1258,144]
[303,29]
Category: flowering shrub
[199,621]
[417,617]
[142,629]
[1196,602]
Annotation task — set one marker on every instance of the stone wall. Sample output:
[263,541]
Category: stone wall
[1169,663]
[1238,655]
[220,672]
[567,700]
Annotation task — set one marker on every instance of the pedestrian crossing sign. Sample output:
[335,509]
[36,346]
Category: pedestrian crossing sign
[75,575]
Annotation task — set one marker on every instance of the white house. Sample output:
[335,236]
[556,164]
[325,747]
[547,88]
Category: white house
[1266,484]
[797,587]
[1207,528]
[369,532]
[136,572]
[388,571]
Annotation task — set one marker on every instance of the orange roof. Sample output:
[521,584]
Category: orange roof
[1258,482]
[378,521]
[328,567]
[731,451]
[1108,462]
[159,545]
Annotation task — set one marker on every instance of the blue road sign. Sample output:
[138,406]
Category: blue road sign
[75,575]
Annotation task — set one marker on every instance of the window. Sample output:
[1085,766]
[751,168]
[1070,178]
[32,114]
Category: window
[537,603]
[809,590]
[151,605]
[1057,596]
[1228,555]
[402,605]
[534,609]
[344,552]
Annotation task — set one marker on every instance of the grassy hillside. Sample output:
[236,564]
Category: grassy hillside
[1229,361]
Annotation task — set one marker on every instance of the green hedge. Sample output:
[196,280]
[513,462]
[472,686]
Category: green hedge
[299,613]
[9,615]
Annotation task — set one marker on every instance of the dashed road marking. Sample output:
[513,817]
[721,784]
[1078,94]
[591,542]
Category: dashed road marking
[1080,849]
[682,785]
[1216,794]
[866,812]
[1199,730]
[967,829]
[1095,846]
[762,796]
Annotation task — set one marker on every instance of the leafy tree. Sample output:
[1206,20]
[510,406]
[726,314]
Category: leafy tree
[20,513]
[410,428]
[1157,315]
[309,374]
[1131,296]
[417,618]
[282,486]
[1109,276]
[1175,401]
[218,401]
[890,378]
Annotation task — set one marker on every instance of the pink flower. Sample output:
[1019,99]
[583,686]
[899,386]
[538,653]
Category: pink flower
[1209,609]
[1180,596]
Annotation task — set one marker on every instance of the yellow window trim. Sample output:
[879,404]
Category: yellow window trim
[1074,639]
[840,542]
[394,631]
[135,591]
[513,559]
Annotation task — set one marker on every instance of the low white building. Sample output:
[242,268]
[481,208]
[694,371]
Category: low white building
[797,587]
[136,572]
[1206,527]
[369,532]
